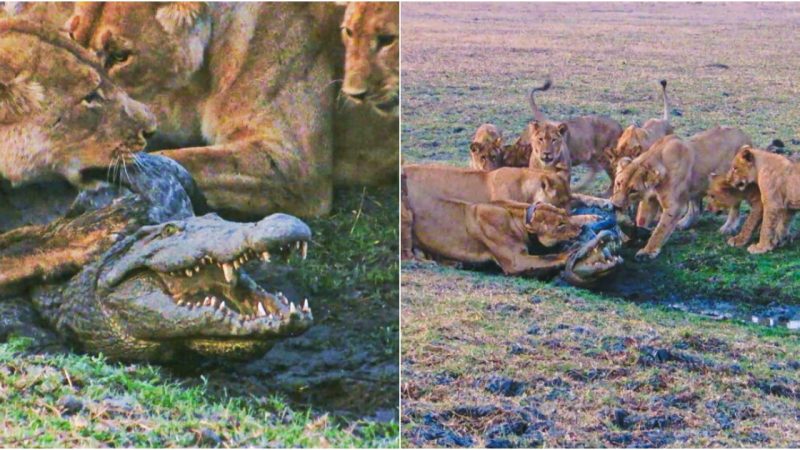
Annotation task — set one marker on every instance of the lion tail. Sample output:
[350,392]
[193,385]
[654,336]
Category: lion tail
[664,98]
[537,114]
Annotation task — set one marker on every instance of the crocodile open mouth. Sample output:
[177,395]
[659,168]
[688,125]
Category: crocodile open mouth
[593,260]
[219,287]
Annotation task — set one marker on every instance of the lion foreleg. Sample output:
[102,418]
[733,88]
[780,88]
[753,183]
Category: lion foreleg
[732,222]
[255,177]
[750,225]
[666,225]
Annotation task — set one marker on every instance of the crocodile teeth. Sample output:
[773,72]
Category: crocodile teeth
[197,268]
[261,311]
[236,264]
[180,302]
[207,301]
[265,256]
[305,306]
[222,306]
[271,317]
[188,272]
[297,245]
[228,270]
[304,249]
[214,301]
[292,309]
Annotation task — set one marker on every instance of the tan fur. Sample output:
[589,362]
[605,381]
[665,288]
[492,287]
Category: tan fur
[587,138]
[486,148]
[636,140]
[677,172]
[723,196]
[485,232]
[778,181]
[242,92]
[59,114]
[477,186]
[367,125]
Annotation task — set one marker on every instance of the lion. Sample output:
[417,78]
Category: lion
[486,148]
[677,171]
[477,186]
[777,179]
[60,115]
[636,140]
[585,137]
[242,92]
[723,196]
[367,131]
[497,231]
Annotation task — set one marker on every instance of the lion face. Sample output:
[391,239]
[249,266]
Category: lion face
[721,195]
[147,48]
[548,141]
[633,180]
[58,114]
[629,145]
[486,148]
[743,169]
[550,224]
[370,32]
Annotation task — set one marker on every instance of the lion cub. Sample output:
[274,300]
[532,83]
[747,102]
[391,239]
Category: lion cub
[724,196]
[676,171]
[486,147]
[778,180]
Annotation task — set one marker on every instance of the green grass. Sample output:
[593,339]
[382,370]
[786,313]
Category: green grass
[351,277]
[140,406]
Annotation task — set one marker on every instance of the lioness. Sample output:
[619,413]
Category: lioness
[366,126]
[59,113]
[242,92]
[778,180]
[498,231]
[723,196]
[585,138]
[636,140]
[676,170]
[477,186]
[486,148]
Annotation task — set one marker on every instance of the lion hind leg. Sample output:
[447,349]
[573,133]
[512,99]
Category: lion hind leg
[691,217]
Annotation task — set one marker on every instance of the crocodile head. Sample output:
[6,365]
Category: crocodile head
[595,255]
[179,286]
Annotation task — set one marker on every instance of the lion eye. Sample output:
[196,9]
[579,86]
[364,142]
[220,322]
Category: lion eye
[94,99]
[385,40]
[120,56]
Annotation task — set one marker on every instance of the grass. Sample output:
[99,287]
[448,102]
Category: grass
[335,386]
[85,401]
[475,63]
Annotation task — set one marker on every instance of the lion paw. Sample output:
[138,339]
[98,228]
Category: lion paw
[757,249]
[734,241]
[644,255]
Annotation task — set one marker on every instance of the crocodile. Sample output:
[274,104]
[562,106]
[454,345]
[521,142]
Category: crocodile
[132,273]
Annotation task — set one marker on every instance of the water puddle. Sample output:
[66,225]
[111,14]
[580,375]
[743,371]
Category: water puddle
[773,315]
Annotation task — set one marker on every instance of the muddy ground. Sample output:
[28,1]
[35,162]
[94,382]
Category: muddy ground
[664,353]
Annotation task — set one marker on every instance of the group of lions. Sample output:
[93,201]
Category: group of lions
[465,214]
[267,105]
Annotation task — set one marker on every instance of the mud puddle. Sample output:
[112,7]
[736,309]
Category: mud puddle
[650,286]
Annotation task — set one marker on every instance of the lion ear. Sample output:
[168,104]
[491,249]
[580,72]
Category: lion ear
[654,176]
[19,97]
[562,129]
[535,126]
[747,153]
[180,15]
[474,147]
[498,141]
[624,161]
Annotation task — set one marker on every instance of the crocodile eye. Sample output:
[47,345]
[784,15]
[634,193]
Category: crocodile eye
[347,32]
[385,40]
[169,230]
